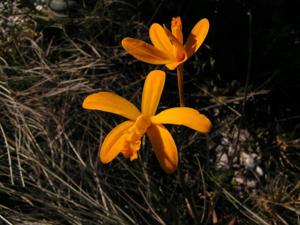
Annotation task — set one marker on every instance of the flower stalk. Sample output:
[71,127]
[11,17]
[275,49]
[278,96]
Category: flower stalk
[180,85]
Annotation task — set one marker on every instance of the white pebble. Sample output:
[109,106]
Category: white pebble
[259,171]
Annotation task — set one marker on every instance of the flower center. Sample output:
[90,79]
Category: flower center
[179,55]
[132,137]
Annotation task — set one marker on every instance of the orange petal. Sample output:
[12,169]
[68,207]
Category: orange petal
[183,116]
[176,28]
[145,52]
[109,150]
[173,66]
[153,88]
[110,102]
[178,51]
[196,37]
[159,39]
[164,147]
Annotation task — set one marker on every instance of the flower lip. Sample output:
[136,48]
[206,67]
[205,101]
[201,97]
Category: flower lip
[131,140]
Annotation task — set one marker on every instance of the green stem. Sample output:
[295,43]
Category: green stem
[180,84]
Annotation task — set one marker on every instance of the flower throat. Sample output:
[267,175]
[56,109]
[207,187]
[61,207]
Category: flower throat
[132,137]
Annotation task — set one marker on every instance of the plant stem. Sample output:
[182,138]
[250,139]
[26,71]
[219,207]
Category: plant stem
[180,84]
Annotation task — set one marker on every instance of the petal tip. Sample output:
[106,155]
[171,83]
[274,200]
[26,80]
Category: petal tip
[103,158]
[86,102]
[153,25]
[207,125]
[124,42]
[170,169]
[157,73]
[205,22]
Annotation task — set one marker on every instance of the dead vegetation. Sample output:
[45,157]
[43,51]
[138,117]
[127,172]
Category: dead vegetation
[49,170]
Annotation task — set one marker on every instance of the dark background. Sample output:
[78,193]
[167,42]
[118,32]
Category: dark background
[273,30]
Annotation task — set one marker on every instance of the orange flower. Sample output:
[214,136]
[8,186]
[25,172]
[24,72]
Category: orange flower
[168,47]
[126,137]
